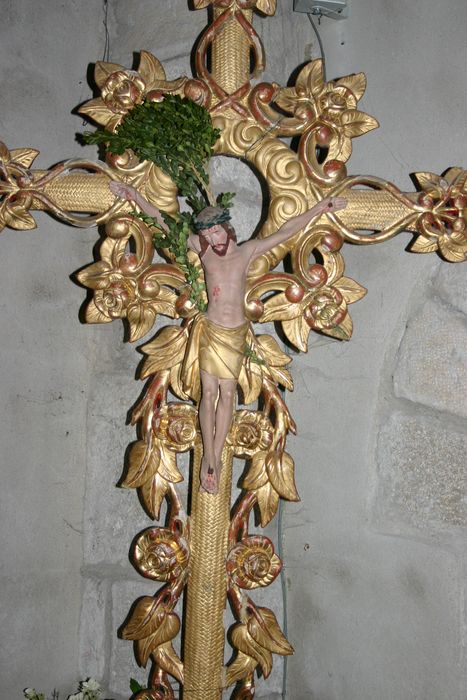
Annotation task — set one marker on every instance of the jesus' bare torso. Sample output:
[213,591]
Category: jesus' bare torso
[225,279]
[225,266]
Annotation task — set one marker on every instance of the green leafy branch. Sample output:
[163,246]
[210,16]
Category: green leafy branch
[175,239]
[176,134]
[253,356]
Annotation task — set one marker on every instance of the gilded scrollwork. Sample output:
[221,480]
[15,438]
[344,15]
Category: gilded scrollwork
[126,284]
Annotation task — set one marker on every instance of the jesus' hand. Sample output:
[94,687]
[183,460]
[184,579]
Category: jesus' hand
[123,191]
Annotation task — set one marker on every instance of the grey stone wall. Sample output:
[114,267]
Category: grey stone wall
[375,552]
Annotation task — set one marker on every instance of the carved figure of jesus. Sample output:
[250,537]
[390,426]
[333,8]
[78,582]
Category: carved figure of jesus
[218,338]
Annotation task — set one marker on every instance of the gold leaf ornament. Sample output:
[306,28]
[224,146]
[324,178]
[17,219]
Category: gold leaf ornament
[355,123]
[297,331]
[268,501]
[169,628]
[23,156]
[143,463]
[271,351]
[351,291]
[15,213]
[153,492]
[257,475]
[151,70]
[279,308]
[141,319]
[241,667]
[165,351]
[280,470]
[265,630]
[244,642]
[104,70]
[146,618]
[150,625]
[167,658]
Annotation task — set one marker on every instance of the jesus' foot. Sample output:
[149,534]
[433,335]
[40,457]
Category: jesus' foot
[209,478]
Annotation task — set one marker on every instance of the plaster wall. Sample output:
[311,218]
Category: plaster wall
[375,552]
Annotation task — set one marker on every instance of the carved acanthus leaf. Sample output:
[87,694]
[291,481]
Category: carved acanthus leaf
[168,629]
[167,658]
[265,630]
[241,667]
[244,642]
[351,291]
[280,469]
[165,351]
[153,492]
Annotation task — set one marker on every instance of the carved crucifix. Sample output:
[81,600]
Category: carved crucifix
[210,552]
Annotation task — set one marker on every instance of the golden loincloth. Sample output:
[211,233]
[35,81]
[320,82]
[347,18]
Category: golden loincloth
[217,350]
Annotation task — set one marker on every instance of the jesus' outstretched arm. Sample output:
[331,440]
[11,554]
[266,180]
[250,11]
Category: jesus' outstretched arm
[296,224]
[130,194]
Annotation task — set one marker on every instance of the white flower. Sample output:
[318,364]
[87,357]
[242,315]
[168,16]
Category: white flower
[32,694]
[91,684]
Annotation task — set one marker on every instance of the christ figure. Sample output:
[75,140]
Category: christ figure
[218,338]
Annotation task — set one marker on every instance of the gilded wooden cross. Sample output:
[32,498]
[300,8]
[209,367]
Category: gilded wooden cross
[209,552]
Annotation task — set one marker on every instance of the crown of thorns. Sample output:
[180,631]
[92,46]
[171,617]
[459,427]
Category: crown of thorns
[210,216]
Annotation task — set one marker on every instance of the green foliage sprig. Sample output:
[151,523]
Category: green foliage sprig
[253,356]
[176,134]
[175,239]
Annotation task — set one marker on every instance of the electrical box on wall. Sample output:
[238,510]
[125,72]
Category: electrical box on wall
[334,9]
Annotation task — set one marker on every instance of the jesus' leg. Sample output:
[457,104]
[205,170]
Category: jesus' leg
[224,413]
[207,409]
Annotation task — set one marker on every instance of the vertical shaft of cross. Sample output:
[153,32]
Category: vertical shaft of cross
[210,515]
[206,594]
[231,54]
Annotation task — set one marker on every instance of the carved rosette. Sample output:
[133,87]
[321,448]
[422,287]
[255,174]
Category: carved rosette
[161,554]
[252,562]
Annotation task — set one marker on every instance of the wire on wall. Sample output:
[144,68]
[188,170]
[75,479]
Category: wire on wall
[320,43]
[105,22]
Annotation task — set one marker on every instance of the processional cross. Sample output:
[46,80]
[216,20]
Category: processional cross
[210,551]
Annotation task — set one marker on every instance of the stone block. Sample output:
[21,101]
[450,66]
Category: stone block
[113,516]
[40,618]
[451,285]
[167,31]
[93,634]
[379,622]
[421,477]
[432,364]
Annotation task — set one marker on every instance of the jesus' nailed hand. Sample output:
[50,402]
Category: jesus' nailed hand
[218,339]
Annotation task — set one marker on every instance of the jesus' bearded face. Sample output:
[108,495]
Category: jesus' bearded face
[218,238]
